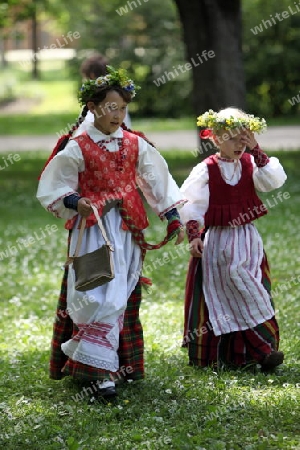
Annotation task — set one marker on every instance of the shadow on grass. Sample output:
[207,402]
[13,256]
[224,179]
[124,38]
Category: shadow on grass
[175,401]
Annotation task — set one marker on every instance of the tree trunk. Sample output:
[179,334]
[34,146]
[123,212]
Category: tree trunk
[218,80]
[34,22]
[214,25]
[2,53]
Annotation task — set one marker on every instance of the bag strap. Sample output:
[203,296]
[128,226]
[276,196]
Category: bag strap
[82,228]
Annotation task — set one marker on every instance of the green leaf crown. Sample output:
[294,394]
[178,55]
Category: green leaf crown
[113,78]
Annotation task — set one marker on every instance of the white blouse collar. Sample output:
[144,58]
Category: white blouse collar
[97,135]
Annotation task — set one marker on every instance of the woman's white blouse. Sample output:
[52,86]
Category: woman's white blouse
[195,188]
[60,177]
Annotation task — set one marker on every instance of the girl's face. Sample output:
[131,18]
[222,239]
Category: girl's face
[231,143]
[110,113]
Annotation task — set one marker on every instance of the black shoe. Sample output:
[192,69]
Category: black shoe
[103,395]
[272,360]
[107,392]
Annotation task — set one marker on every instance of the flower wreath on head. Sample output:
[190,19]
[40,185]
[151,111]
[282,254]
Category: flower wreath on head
[214,121]
[113,78]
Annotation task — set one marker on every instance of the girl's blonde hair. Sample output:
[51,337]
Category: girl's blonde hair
[228,113]
[231,111]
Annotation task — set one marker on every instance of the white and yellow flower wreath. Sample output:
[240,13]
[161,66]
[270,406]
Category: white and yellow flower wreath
[214,121]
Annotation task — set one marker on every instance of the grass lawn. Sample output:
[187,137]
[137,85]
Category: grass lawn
[53,122]
[53,107]
[52,103]
[176,406]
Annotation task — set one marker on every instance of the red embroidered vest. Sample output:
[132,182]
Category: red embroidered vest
[232,205]
[111,176]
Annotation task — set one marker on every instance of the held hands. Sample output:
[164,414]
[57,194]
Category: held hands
[196,247]
[248,139]
[83,207]
[175,227]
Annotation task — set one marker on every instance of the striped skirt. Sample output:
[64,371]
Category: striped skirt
[235,349]
[131,343]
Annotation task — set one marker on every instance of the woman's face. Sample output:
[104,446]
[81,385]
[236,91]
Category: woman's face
[110,113]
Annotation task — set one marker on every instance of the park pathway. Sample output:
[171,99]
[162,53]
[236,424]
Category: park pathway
[275,138]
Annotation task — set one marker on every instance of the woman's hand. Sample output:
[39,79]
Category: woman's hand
[84,207]
[196,247]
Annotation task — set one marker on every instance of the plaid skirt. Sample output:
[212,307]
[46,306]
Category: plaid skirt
[131,343]
[236,349]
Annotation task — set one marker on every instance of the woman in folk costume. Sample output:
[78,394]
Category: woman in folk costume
[229,314]
[103,165]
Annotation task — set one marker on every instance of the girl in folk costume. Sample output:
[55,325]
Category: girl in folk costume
[97,334]
[229,314]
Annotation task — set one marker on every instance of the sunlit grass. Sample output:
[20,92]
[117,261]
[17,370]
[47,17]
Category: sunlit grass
[56,97]
[53,93]
[64,112]
[55,103]
[175,407]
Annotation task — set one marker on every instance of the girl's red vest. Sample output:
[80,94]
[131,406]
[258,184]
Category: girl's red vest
[232,205]
[111,176]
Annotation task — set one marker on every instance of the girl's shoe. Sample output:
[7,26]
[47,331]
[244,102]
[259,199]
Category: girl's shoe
[106,391]
[272,360]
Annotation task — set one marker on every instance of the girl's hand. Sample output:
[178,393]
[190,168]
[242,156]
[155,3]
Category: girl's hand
[83,207]
[180,237]
[248,139]
[196,247]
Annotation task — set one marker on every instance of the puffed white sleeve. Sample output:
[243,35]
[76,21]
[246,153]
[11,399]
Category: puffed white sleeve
[269,177]
[155,181]
[60,179]
[195,189]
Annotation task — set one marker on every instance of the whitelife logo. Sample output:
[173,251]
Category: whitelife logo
[182,68]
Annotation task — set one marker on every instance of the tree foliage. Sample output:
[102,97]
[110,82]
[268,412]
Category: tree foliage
[271,56]
[152,38]
[14,11]
[145,40]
